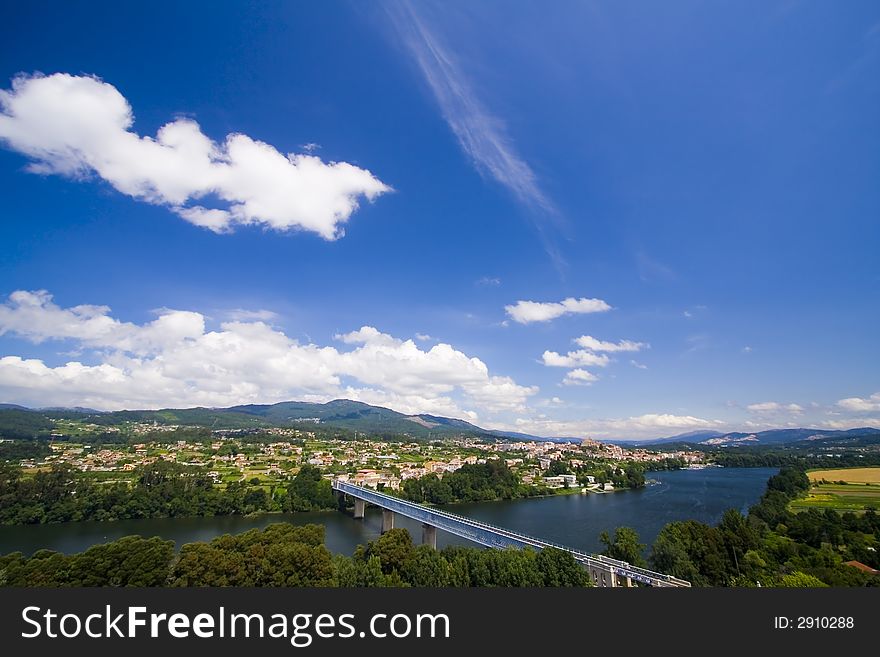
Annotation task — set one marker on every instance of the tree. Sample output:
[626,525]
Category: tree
[558,467]
[394,548]
[309,491]
[559,568]
[693,551]
[425,567]
[800,580]
[625,546]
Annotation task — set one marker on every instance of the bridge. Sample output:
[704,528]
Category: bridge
[604,570]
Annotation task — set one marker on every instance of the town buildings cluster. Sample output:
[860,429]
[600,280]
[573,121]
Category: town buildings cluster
[228,456]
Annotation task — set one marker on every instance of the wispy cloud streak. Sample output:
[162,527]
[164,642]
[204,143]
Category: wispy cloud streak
[480,134]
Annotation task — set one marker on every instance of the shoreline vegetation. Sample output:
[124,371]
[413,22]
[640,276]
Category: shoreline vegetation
[792,536]
[167,489]
[769,546]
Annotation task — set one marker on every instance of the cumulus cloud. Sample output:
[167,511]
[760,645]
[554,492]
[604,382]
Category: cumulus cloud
[589,356]
[851,423]
[526,312]
[80,126]
[774,407]
[591,343]
[574,359]
[861,404]
[176,361]
[579,377]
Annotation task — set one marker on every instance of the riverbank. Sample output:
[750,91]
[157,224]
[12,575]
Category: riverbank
[569,519]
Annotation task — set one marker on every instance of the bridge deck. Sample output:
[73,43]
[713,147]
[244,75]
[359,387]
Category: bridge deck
[498,537]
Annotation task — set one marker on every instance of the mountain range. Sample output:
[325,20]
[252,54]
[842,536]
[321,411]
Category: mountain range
[375,420]
[768,437]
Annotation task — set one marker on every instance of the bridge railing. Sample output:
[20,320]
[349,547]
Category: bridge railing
[490,532]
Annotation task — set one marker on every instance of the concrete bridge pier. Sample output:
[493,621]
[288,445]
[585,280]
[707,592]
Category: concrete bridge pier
[387,520]
[429,535]
[359,506]
[602,577]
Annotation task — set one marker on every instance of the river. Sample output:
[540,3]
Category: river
[572,520]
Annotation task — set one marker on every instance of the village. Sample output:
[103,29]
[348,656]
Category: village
[235,455]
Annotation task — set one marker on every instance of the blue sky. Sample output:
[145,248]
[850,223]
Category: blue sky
[698,180]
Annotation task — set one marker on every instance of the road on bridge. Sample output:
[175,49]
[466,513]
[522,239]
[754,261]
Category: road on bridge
[604,570]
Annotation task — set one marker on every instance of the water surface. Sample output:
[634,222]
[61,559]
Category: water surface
[573,520]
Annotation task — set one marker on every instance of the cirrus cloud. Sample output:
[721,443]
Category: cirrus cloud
[78,126]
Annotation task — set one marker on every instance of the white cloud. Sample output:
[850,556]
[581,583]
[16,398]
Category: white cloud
[176,361]
[851,423]
[650,425]
[526,312]
[423,337]
[410,404]
[639,365]
[499,393]
[747,349]
[480,134]
[574,359]
[774,407]
[861,405]
[243,315]
[488,281]
[579,377]
[77,126]
[591,343]
[589,356]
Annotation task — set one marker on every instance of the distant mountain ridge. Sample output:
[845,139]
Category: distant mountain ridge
[768,437]
[377,420]
[782,436]
[337,414]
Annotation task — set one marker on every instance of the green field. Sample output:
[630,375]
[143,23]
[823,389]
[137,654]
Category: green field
[860,491]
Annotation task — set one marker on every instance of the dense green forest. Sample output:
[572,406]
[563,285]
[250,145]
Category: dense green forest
[771,546]
[629,475]
[284,555]
[775,457]
[161,489]
[492,480]
[18,450]
[19,424]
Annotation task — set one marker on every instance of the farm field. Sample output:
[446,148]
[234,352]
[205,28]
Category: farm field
[849,475]
[845,489]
